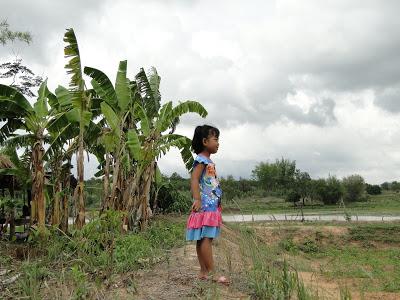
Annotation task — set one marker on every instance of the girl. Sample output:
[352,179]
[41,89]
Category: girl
[205,219]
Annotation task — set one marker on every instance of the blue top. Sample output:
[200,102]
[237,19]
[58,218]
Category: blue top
[210,189]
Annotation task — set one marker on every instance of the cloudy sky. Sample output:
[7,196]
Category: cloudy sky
[313,81]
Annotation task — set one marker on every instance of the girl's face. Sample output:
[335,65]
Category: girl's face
[211,144]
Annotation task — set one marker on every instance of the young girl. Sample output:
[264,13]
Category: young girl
[205,219]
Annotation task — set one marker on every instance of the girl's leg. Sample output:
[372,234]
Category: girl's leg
[203,269]
[206,254]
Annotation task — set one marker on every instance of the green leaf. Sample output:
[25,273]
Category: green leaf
[10,127]
[73,115]
[144,88]
[169,141]
[86,118]
[165,111]
[187,158]
[181,109]
[144,121]
[60,134]
[134,145]
[154,80]
[20,141]
[73,67]
[122,88]
[110,141]
[102,85]
[64,96]
[40,106]
[111,117]
[13,103]
[181,142]
[158,176]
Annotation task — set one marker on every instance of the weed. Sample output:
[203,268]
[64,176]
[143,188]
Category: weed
[309,246]
[30,282]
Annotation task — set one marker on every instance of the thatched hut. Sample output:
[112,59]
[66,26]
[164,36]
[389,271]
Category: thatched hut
[6,181]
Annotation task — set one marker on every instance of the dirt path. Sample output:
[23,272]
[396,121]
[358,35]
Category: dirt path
[176,278]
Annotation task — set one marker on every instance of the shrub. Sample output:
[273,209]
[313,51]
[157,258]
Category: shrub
[293,197]
[169,199]
[329,191]
[354,187]
[373,189]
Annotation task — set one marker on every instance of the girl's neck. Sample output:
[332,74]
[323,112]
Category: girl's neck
[205,153]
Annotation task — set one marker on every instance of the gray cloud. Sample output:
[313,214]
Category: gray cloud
[47,20]
[389,99]
[244,63]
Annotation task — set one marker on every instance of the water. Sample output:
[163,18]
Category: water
[295,217]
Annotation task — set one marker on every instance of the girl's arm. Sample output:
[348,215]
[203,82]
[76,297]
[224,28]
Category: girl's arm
[195,187]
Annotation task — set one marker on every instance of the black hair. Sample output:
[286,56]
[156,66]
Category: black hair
[200,133]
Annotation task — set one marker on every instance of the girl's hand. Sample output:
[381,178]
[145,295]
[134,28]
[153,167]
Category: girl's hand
[196,205]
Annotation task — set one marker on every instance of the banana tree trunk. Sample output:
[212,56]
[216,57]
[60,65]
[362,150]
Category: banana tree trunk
[106,184]
[12,223]
[146,213]
[38,200]
[116,186]
[79,190]
[55,218]
[65,198]
[12,213]
[56,207]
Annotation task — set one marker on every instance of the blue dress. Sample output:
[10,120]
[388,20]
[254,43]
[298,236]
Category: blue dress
[207,221]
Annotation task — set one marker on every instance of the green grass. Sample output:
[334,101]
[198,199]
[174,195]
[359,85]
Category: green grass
[367,253]
[387,203]
[380,266]
[268,276]
[87,260]
[386,233]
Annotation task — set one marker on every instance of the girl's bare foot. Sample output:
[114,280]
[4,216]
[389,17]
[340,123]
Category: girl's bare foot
[202,276]
[221,279]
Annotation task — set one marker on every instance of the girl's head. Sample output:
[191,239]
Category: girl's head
[205,138]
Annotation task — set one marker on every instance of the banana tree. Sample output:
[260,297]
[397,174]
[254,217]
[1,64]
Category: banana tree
[153,139]
[117,108]
[80,114]
[149,145]
[18,113]
[136,136]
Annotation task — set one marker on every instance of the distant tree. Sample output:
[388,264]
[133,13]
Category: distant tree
[175,176]
[275,176]
[329,191]
[318,189]
[180,183]
[266,173]
[302,185]
[230,187]
[293,196]
[373,189]
[354,187]
[7,35]
[385,186]
[22,78]
[395,186]
[246,185]
[335,190]
[286,173]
